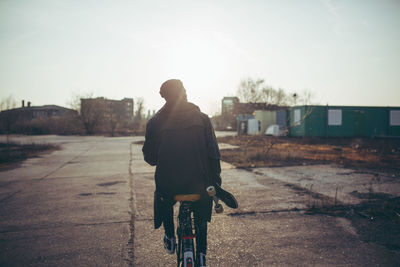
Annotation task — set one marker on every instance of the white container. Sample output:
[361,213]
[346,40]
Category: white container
[273,130]
[253,127]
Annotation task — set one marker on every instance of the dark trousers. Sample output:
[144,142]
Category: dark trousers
[200,226]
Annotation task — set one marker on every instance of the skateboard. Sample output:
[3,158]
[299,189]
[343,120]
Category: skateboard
[217,193]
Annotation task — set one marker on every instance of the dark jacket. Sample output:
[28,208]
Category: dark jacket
[181,143]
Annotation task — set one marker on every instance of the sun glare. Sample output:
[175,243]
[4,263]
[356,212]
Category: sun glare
[202,63]
[194,57]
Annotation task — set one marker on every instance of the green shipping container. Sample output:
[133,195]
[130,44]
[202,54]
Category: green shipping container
[344,121]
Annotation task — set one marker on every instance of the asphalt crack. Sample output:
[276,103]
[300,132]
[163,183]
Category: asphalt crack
[132,208]
[64,164]
[10,196]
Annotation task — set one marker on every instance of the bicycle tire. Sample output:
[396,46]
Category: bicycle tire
[186,238]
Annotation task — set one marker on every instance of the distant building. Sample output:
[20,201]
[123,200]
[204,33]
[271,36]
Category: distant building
[122,110]
[27,113]
[232,110]
[229,105]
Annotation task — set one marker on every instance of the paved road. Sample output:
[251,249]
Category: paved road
[90,204]
[72,207]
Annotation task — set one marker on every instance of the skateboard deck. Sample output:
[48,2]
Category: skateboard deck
[226,197]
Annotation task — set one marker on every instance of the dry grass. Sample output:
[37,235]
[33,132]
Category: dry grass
[13,153]
[267,151]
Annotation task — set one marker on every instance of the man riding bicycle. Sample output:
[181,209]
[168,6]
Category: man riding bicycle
[181,143]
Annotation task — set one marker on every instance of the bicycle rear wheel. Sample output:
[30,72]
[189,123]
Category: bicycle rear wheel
[186,249]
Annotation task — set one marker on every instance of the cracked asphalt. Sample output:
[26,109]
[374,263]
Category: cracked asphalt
[90,204]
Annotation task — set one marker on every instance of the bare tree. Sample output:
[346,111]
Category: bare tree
[140,108]
[75,101]
[113,116]
[280,97]
[113,122]
[139,113]
[255,91]
[268,94]
[92,113]
[307,97]
[8,103]
[251,91]
[292,99]
[8,117]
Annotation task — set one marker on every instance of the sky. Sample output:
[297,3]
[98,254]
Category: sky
[345,52]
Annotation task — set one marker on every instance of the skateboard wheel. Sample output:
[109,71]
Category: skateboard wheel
[219,208]
[211,191]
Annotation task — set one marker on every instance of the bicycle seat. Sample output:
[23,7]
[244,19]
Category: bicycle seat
[188,197]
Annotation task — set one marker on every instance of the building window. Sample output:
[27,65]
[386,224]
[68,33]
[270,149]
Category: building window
[395,118]
[335,117]
[297,117]
[227,106]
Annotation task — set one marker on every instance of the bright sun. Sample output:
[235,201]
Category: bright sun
[196,56]
[203,63]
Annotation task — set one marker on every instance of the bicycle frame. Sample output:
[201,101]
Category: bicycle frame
[185,251]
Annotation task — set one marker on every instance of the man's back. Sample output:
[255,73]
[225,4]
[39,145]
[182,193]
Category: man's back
[179,141]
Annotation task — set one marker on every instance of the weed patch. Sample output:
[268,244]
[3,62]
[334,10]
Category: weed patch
[267,151]
[13,153]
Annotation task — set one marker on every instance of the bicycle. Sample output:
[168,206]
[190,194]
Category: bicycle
[186,250]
